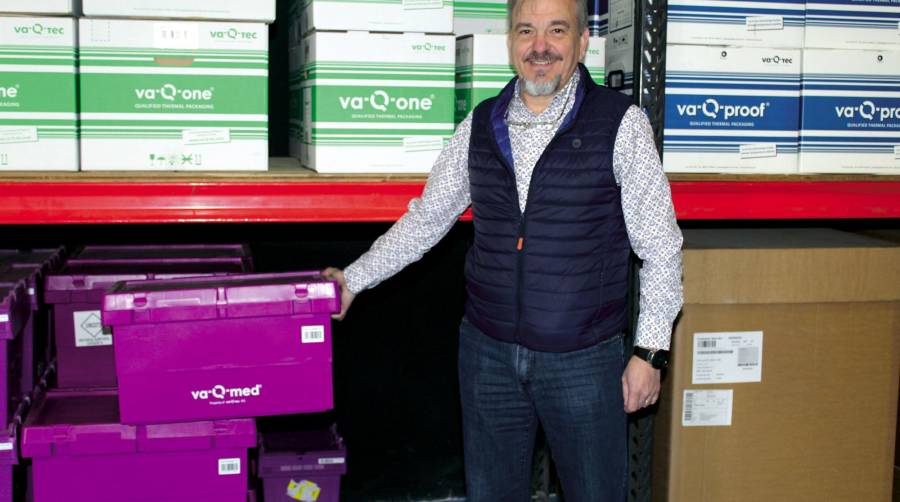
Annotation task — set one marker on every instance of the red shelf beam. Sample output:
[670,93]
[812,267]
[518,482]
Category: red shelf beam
[384,201]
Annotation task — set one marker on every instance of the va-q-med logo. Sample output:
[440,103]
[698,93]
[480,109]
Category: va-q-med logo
[221,392]
[712,108]
[170,92]
[869,111]
[380,100]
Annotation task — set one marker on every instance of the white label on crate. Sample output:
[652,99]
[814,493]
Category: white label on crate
[176,35]
[312,334]
[331,460]
[321,290]
[229,466]
[707,407]
[89,329]
[897,151]
[758,150]
[422,144]
[206,135]
[17,134]
[729,357]
[422,4]
[757,23]
[6,446]
[30,291]
[4,317]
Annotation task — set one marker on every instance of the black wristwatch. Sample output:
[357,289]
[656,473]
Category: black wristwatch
[657,358]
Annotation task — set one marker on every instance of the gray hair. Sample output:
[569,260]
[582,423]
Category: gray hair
[580,14]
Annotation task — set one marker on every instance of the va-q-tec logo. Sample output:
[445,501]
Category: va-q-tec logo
[869,111]
[222,392]
[712,108]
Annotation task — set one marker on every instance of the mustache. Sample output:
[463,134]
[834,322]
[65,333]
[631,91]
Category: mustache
[546,55]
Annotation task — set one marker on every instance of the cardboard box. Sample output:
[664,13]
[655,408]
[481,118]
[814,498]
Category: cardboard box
[375,102]
[419,16]
[852,24]
[191,96]
[621,14]
[851,112]
[38,121]
[785,364]
[620,60]
[471,18]
[483,68]
[38,7]
[731,110]
[230,10]
[743,23]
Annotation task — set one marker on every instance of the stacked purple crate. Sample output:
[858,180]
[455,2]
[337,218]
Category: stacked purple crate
[84,350]
[81,452]
[15,312]
[302,465]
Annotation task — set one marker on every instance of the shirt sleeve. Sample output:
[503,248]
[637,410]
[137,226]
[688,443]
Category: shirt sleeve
[652,229]
[427,220]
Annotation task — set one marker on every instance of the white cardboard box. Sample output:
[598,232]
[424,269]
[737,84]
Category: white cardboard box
[475,18]
[735,23]
[620,60]
[418,16]
[38,7]
[232,10]
[731,110]
[376,102]
[598,17]
[173,95]
[851,112]
[38,121]
[853,24]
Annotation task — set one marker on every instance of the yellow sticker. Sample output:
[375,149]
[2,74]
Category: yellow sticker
[304,491]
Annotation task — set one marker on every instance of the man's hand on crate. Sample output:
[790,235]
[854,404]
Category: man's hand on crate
[346,295]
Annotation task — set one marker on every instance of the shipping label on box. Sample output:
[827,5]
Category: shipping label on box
[620,60]
[37,7]
[376,102]
[421,16]
[731,110]
[471,18]
[851,112]
[759,23]
[707,407]
[232,10]
[173,95]
[728,357]
[853,24]
[38,121]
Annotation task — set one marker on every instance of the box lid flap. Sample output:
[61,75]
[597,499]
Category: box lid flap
[762,266]
[239,295]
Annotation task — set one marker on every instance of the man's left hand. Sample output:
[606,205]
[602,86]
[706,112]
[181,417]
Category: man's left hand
[640,385]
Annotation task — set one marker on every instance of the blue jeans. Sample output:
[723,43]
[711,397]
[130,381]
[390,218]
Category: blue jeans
[506,389]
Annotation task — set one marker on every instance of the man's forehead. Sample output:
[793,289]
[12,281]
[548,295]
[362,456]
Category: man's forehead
[559,9]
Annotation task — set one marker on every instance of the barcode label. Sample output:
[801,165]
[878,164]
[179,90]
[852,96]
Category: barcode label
[707,407]
[6,446]
[312,334]
[748,356]
[331,460]
[727,357]
[176,35]
[229,466]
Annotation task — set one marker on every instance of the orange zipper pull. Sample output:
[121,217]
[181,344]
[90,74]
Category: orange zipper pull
[520,244]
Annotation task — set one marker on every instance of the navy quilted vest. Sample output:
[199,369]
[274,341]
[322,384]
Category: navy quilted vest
[554,278]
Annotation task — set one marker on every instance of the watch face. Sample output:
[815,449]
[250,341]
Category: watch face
[661,359]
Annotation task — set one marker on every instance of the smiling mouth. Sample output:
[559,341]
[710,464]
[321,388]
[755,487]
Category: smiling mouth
[542,59]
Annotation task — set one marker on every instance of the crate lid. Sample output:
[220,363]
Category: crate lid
[287,453]
[161,251]
[240,295]
[93,277]
[86,422]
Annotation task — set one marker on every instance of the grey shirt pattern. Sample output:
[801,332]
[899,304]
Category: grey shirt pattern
[646,204]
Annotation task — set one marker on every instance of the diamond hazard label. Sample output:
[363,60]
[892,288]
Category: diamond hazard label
[89,329]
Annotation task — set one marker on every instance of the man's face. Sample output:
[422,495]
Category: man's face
[545,44]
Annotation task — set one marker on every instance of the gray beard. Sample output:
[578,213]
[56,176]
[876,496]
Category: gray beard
[542,88]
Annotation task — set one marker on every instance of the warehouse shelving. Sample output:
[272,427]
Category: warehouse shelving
[287,193]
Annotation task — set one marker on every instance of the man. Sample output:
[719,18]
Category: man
[564,181]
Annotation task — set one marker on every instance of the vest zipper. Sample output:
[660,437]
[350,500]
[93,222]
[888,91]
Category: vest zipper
[520,274]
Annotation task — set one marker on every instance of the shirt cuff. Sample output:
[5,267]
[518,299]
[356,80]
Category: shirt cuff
[653,332]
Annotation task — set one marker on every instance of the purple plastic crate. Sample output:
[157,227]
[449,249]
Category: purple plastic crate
[84,351]
[302,466]
[14,315]
[156,252]
[81,453]
[239,346]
